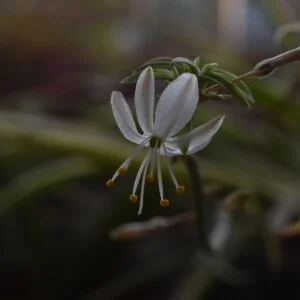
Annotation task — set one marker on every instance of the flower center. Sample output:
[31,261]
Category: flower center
[155,142]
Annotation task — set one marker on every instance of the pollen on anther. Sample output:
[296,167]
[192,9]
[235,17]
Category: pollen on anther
[180,189]
[133,198]
[164,203]
[122,171]
[150,179]
[110,183]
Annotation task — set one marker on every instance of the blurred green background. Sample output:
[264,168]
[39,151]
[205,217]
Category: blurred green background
[60,61]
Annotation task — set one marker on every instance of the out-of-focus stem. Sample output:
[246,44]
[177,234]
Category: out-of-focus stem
[198,283]
[134,230]
[201,208]
[267,67]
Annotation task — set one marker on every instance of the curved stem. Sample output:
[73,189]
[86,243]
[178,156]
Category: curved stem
[266,66]
[203,209]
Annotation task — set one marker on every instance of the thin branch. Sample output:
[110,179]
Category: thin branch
[202,208]
[266,67]
[134,230]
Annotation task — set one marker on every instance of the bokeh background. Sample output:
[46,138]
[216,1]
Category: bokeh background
[59,62]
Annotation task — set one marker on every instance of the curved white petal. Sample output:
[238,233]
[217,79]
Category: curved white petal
[170,150]
[144,100]
[123,117]
[198,138]
[197,148]
[176,105]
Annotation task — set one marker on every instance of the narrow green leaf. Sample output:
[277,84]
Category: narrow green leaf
[131,78]
[158,62]
[227,84]
[197,61]
[216,96]
[185,65]
[241,85]
[161,58]
[159,74]
[209,67]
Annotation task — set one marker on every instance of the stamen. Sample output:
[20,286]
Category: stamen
[180,189]
[110,183]
[172,175]
[122,171]
[149,155]
[153,163]
[139,174]
[150,179]
[155,142]
[134,198]
[159,178]
[164,203]
[126,163]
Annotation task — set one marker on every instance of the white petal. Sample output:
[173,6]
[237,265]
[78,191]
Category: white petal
[123,117]
[195,149]
[170,150]
[144,100]
[198,138]
[176,105]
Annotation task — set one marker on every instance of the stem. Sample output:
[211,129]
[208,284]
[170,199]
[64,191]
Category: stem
[202,210]
[135,230]
[198,283]
[267,66]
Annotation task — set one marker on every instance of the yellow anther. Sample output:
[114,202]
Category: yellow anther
[150,179]
[122,171]
[134,198]
[164,202]
[110,183]
[180,189]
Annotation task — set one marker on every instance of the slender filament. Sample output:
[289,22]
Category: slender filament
[172,175]
[159,178]
[127,162]
[139,174]
[148,157]
[153,162]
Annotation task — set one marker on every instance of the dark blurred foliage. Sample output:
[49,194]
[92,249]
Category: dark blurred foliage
[59,62]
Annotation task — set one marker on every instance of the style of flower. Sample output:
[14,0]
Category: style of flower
[173,111]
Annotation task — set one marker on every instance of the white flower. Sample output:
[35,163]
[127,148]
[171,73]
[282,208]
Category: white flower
[174,110]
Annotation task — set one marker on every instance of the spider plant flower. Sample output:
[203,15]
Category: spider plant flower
[159,125]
